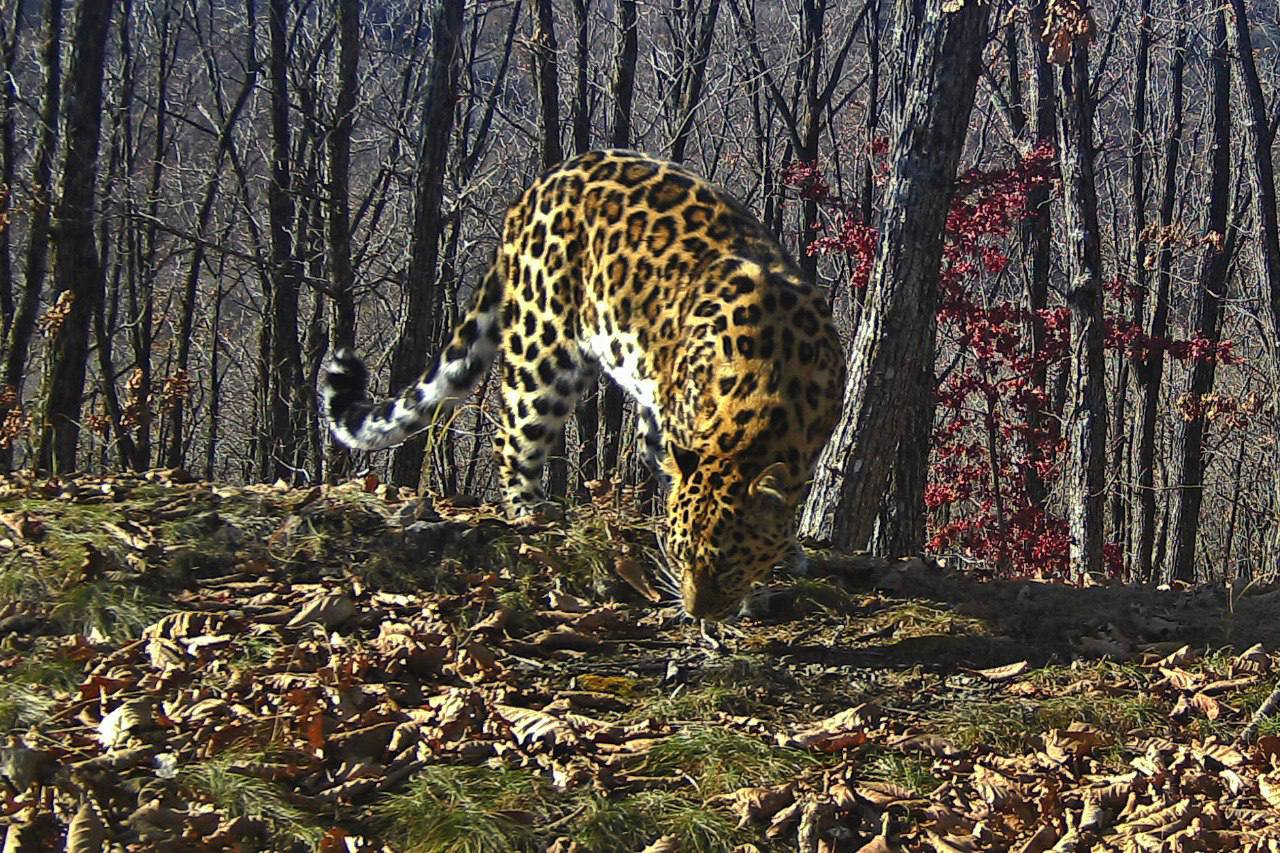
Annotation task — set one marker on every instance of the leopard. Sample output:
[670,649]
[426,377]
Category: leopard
[618,261]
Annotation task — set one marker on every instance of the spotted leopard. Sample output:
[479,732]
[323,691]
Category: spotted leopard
[618,261]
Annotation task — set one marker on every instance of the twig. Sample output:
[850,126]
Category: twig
[1265,711]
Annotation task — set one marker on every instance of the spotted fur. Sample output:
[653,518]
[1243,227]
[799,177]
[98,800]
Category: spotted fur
[618,261]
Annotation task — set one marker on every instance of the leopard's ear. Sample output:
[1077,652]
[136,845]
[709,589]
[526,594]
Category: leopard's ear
[686,460]
[771,483]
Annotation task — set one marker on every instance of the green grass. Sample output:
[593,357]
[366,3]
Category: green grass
[904,770]
[110,609]
[717,761]
[465,809]
[634,821]
[237,794]
[1016,725]
[28,690]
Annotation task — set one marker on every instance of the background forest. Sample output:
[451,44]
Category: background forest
[203,197]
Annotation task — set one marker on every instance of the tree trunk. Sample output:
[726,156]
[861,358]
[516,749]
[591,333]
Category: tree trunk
[624,84]
[1150,372]
[1121,441]
[692,80]
[1037,233]
[547,74]
[18,341]
[1262,176]
[423,297]
[1211,285]
[1085,475]
[341,272]
[10,29]
[851,475]
[78,268]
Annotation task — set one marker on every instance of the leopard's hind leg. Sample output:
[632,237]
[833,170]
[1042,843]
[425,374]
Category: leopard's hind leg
[537,402]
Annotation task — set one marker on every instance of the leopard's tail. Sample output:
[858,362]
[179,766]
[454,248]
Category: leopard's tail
[360,421]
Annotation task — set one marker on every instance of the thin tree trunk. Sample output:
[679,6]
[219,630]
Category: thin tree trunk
[1037,235]
[342,279]
[1211,285]
[693,79]
[587,415]
[1086,421]
[624,82]
[1149,373]
[18,341]
[1262,176]
[10,30]
[78,268]
[422,284]
[1121,493]
[851,475]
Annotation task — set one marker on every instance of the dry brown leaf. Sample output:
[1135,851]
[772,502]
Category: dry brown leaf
[130,716]
[1253,659]
[953,843]
[530,728]
[1224,754]
[758,805]
[1269,788]
[329,610]
[1207,705]
[1180,679]
[1043,839]
[1076,741]
[564,638]
[879,844]
[87,833]
[665,844]
[884,794]
[1003,673]
[1161,822]
[839,731]
[632,571]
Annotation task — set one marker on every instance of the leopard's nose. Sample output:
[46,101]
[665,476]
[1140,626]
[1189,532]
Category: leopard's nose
[705,602]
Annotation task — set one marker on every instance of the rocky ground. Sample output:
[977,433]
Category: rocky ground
[190,666]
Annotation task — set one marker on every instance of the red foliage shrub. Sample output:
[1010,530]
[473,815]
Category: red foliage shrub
[995,433]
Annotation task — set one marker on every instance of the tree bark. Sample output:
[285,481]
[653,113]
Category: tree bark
[10,30]
[342,279]
[1086,422]
[1121,441]
[284,442]
[35,261]
[1262,177]
[886,353]
[612,405]
[692,79]
[78,267]
[423,296]
[1150,372]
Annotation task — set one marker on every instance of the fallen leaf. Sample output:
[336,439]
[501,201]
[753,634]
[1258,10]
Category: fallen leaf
[87,833]
[330,610]
[1003,673]
[535,728]
[632,571]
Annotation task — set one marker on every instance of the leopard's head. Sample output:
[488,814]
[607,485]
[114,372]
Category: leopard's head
[728,524]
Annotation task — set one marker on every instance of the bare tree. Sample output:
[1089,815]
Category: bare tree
[78,267]
[1211,285]
[35,267]
[852,472]
[422,296]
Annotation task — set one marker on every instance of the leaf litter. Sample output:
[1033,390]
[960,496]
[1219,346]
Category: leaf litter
[351,668]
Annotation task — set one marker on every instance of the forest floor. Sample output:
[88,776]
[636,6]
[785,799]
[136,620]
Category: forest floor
[189,666]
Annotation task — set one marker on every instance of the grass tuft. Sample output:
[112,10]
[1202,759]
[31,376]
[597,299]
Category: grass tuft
[237,794]
[465,809]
